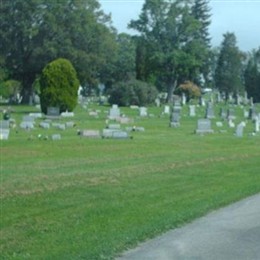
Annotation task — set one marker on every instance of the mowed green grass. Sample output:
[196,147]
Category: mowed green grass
[92,199]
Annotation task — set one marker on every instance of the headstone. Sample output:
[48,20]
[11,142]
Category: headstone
[231,113]
[108,133]
[62,126]
[157,102]
[44,125]
[5,124]
[35,115]
[210,111]
[138,129]
[238,100]
[204,126]
[134,107]
[231,124]
[70,124]
[114,112]
[114,126]
[257,121]
[246,113]
[67,114]
[143,111]
[202,102]
[93,113]
[53,111]
[219,124]
[90,133]
[120,135]
[27,125]
[245,98]
[4,134]
[55,137]
[192,110]
[175,117]
[240,129]
[183,99]
[124,120]
[167,109]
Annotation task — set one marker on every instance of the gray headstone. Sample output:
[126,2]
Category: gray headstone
[70,124]
[231,113]
[90,133]
[108,133]
[4,124]
[210,111]
[35,115]
[120,135]
[166,109]
[27,125]
[114,112]
[53,111]
[143,111]
[67,114]
[240,129]
[114,126]
[4,134]
[204,126]
[192,110]
[44,125]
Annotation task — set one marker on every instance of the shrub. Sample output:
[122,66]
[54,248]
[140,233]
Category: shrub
[190,89]
[59,85]
[132,92]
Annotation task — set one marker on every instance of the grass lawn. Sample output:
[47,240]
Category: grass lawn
[82,198]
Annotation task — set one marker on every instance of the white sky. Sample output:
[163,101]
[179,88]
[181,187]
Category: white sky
[239,16]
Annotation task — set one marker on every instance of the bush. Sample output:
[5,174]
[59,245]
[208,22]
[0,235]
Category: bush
[190,89]
[59,86]
[132,92]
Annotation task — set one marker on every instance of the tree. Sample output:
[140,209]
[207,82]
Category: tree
[228,75]
[59,86]
[171,51]
[35,32]
[252,76]
[201,12]
[132,92]
[122,63]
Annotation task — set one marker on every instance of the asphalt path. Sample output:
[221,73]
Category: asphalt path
[229,233]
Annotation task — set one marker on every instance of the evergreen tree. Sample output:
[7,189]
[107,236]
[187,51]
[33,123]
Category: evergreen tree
[228,75]
[252,76]
[201,12]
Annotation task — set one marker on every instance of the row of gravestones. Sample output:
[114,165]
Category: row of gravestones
[204,125]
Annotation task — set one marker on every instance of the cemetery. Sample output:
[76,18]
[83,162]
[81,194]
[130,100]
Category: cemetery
[108,138]
[114,176]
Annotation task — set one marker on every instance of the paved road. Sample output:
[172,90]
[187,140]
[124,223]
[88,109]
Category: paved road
[230,233]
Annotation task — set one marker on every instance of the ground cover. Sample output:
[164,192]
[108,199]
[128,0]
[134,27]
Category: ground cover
[82,198]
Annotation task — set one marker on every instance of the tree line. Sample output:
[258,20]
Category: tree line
[172,46]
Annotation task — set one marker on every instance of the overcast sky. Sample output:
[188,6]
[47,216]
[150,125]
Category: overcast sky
[239,16]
